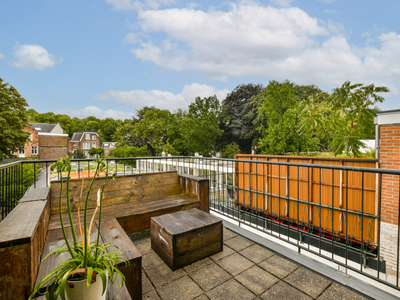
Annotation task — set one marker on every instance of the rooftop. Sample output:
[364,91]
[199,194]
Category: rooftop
[243,270]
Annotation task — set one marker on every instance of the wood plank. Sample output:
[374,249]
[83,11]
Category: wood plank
[36,194]
[130,209]
[21,223]
[115,292]
[112,232]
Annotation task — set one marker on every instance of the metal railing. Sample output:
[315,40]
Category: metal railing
[359,238]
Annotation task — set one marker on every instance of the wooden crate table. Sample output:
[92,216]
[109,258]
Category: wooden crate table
[185,237]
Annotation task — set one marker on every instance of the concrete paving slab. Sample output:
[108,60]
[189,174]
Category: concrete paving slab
[151,260]
[257,280]
[210,276]
[278,266]
[256,253]
[162,275]
[202,297]
[198,265]
[235,264]
[143,246]
[308,282]
[228,234]
[339,292]
[146,284]
[151,296]
[230,290]
[238,243]
[282,290]
[226,251]
[182,289]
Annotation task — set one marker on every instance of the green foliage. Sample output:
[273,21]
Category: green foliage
[237,127]
[13,119]
[199,128]
[80,154]
[279,106]
[90,257]
[97,151]
[344,117]
[129,151]
[230,150]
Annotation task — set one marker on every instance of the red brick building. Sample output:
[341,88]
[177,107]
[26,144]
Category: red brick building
[47,141]
[388,151]
[84,140]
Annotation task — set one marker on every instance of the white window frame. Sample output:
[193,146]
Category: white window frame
[86,146]
[34,152]
[93,137]
[94,145]
[87,136]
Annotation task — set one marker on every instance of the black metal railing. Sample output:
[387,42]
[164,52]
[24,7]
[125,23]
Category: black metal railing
[296,203]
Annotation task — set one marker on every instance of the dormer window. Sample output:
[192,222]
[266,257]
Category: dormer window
[93,137]
[87,136]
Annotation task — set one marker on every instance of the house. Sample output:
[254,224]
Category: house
[47,141]
[108,147]
[84,140]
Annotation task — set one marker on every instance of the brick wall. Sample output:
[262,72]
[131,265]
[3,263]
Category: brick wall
[389,144]
[53,147]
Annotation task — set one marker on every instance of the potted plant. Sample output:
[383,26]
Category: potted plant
[87,270]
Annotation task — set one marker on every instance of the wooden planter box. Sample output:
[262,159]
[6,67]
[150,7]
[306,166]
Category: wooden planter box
[185,237]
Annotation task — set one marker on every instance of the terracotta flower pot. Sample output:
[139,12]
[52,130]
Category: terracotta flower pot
[78,290]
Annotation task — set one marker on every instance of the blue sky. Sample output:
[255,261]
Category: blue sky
[108,58]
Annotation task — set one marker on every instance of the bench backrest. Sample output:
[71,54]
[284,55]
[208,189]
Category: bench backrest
[122,189]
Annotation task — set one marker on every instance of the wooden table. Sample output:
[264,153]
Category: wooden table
[185,237]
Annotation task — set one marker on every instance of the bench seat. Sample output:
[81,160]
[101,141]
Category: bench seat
[134,216]
[111,232]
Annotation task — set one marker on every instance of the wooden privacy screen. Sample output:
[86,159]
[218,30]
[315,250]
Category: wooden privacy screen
[312,198]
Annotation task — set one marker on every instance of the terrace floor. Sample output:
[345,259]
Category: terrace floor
[244,270]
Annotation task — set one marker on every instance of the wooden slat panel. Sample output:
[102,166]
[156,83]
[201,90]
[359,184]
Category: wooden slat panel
[120,190]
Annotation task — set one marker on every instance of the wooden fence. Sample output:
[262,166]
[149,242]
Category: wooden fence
[337,203]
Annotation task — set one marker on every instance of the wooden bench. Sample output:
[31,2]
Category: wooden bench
[33,228]
[134,199]
[185,237]
[22,238]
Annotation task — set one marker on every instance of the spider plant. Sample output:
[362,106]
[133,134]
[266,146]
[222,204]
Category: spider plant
[92,258]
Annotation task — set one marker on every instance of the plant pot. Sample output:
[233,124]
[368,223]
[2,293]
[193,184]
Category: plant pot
[78,290]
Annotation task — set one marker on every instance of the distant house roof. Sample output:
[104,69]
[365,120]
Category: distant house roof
[76,137]
[109,144]
[42,127]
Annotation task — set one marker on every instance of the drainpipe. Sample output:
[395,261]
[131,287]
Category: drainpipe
[376,137]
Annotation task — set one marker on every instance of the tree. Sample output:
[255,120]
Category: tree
[13,119]
[80,154]
[230,150]
[200,129]
[279,106]
[129,151]
[345,117]
[156,129]
[237,127]
[97,151]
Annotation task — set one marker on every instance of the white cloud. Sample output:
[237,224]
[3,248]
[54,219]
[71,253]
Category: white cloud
[138,5]
[328,1]
[96,112]
[250,39]
[2,56]
[33,57]
[162,99]
[283,3]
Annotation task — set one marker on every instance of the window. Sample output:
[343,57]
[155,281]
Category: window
[93,137]
[34,150]
[86,146]
[94,145]
[21,152]
[87,136]
[31,137]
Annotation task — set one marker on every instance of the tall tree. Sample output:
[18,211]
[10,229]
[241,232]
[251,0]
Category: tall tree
[13,119]
[345,117]
[237,127]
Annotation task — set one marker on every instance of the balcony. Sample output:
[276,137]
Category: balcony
[292,230]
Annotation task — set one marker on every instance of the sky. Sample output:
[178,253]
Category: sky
[109,58]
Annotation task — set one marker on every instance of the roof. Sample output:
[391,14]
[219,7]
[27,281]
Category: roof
[108,144]
[76,137]
[42,127]
[388,111]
